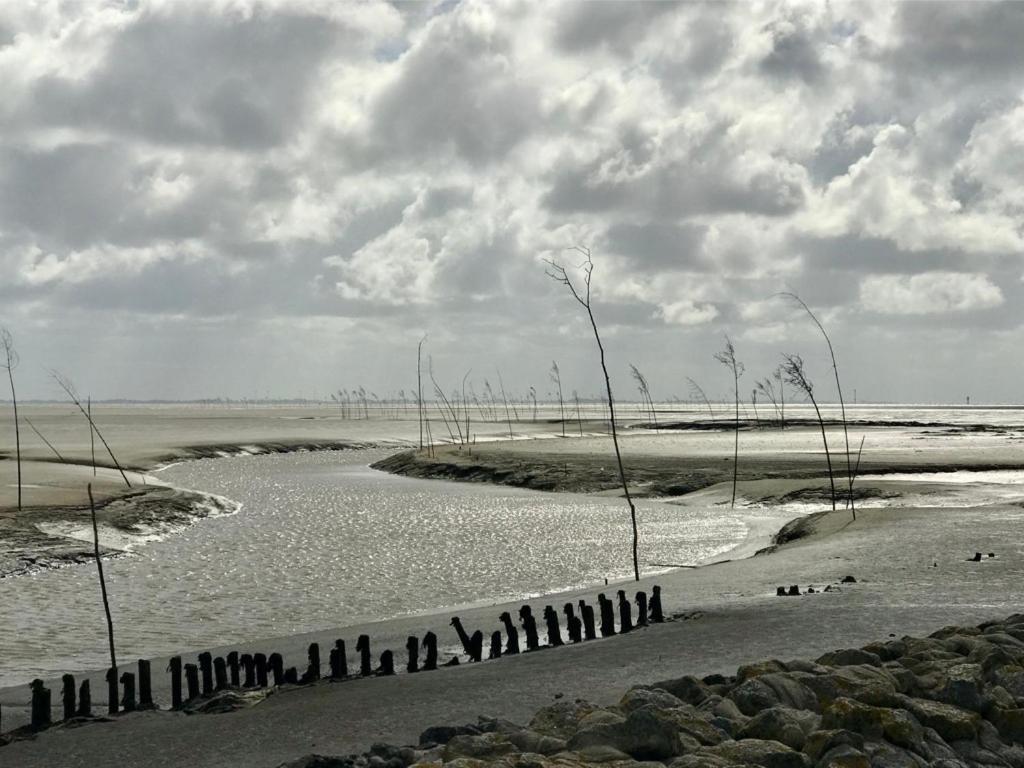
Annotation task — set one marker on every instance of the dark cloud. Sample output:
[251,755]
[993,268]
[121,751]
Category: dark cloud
[657,246]
[615,24]
[200,78]
[795,55]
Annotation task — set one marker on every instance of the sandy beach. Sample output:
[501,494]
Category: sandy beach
[911,564]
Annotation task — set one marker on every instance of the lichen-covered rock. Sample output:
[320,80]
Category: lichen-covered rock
[843,756]
[862,682]
[782,724]
[773,689]
[318,761]
[769,754]
[686,688]
[699,725]
[1009,723]
[846,657]
[638,697]
[896,726]
[478,747]
[950,722]
[759,668]
[526,740]
[644,735]
[820,742]
[561,719]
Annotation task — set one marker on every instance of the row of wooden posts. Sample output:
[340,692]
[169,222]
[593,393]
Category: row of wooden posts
[211,675]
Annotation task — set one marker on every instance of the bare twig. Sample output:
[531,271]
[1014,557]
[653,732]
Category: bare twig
[103,581]
[69,389]
[793,369]
[727,357]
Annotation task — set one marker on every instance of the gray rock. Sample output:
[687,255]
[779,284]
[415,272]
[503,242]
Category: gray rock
[950,722]
[770,754]
[530,741]
[846,657]
[644,735]
[782,724]
[863,682]
[687,688]
[636,698]
[318,761]
[561,719]
[771,689]
[820,742]
[896,726]
[480,747]
[843,756]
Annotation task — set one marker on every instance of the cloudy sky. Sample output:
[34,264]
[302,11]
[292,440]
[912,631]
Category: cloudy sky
[241,198]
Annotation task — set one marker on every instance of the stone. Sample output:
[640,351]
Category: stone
[782,724]
[1009,723]
[863,682]
[769,754]
[894,725]
[846,657]
[771,689]
[478,747]
[442,734]
[768,666]
[948,721]
[639,697]
[644,735]
[820,742]
[530,741]
[561,719]
[843,756]
[696,724]
[686,688]
[317,761]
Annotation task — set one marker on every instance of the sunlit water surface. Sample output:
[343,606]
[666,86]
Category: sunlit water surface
[322,540]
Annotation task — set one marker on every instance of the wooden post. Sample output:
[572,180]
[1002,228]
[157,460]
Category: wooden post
[587,615]
[68,695]
[112,691]
[206,670]
[530,628]
[276,663]
[573,622]
[145,686]
[249,668]
[260,659]
[233,668]
[495,652]
[363,649]
[220,674]
[554,630]
[512,644]
[387,664]
[430,647]
[625,613]
[192,681]
[291,676]
[412,645]
[174,667]
[40,705]
[313,672]
[339,662]
[641,609]
[607,616]
[128,682]
[84,700]
[655,605]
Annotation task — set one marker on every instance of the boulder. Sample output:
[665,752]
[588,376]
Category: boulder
[820,742]
[843,756]
[765,667]
[862,682]
[948,721]
[782,724]
[318,761]
[769,754]
[896,726]
[772,689]
[561,719]
[482,747]
[644,735]
[696,724]
[639,697]
[687,688]
[846,657]
[1009,723]
[526,740]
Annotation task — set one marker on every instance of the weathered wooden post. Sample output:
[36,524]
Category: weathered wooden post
[655,605]
[236,680]
[625,613]
[313,672]
[174,667]
[363,649]
[387,664]
[574,625]
[412,646]
[40,705]
[554,630]
[476,646]
[112,691]
[260,659]
[249,669]
[512,644]
[68,695]
[641,609]
[84,700]
[495,652]
[220,674]
[291,676]
[607,616]
[206,669]
[276,663]
[145,686]
[529,627]
[192,681]
[587,615]
[430,647]
[128,683]
[339,660]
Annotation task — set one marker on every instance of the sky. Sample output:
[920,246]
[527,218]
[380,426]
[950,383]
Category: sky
[233,198]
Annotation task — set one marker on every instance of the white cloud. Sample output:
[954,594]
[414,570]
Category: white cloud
[686,312]
[929,293]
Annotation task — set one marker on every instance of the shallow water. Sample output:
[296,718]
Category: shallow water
[322,540]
